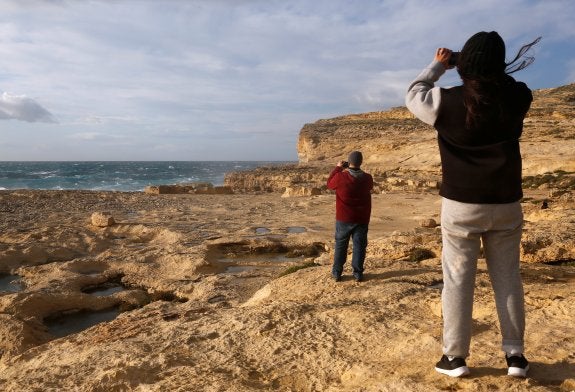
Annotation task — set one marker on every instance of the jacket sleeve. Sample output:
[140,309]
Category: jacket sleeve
[333,178]
[423,98]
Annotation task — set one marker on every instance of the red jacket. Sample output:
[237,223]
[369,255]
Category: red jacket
[352,195]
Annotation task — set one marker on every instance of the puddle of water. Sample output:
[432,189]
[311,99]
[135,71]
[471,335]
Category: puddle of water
[11,283]
[562,263]
[217,298]
[262,230]
[74,322]
[239,257]
[88,268]
[235,269]
[104,289]
[258,258]
[92,272]
[296,229]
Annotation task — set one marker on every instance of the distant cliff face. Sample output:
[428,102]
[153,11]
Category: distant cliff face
[385,138]
[396,139]
[401,151]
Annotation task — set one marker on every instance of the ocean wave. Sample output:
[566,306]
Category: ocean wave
[114,176]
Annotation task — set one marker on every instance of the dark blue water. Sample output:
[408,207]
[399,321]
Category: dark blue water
[117,176]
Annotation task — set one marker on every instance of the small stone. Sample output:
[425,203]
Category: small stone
[102,219]
[429,223]
[568,385]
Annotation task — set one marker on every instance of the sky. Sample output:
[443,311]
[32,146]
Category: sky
[234,79]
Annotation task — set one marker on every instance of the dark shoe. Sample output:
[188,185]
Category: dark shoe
[358,278]
[453,368]
[517,366]
[337,278]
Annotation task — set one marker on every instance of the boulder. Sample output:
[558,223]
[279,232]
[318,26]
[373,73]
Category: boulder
[102,219]
[428,223]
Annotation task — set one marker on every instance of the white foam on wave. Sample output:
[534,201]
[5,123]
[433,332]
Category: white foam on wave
[45,173]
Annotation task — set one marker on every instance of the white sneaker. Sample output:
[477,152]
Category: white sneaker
[455,367]
[517,366]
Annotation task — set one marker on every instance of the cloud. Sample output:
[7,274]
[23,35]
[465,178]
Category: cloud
[214,74]
[86,136]
[20,107]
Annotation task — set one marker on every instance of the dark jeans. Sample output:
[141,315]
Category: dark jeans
[358,234]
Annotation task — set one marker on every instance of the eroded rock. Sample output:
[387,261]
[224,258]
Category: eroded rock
[102,219]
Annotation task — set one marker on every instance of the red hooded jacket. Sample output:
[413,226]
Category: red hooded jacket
[352,194]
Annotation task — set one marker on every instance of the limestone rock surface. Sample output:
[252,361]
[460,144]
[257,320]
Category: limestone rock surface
[233,293]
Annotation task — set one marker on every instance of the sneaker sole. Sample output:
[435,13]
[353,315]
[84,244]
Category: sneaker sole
[459,372]
[518,372]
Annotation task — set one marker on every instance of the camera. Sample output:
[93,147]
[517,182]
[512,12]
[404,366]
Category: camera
[345,165]
[453,58]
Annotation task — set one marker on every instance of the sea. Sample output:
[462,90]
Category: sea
[117,176]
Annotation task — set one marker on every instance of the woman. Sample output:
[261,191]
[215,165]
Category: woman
[478,124]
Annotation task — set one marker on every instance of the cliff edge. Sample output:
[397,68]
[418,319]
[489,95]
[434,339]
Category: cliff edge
[401,151]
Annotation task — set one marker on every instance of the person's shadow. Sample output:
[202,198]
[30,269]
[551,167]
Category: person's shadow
[542,374]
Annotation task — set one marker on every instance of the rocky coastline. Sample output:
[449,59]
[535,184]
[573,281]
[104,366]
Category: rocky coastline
[203,288]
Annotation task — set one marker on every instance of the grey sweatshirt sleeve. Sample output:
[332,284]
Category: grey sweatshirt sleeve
[423,97]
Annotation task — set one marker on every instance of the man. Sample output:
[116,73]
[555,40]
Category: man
[353,209]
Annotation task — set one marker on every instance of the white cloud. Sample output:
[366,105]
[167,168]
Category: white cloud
[227,70]
[86,136]
[20,107]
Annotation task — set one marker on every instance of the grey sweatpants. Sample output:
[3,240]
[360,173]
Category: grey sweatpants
[464,226]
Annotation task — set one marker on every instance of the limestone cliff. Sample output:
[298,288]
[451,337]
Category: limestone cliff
[380,135]
[401,151]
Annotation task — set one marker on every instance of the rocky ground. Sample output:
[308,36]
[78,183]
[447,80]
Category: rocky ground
[210,299]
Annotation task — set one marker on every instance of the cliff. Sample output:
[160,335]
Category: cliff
[401,151]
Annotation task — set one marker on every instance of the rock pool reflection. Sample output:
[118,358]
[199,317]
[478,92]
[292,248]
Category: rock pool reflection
[73,322]
[11,283]
[104,289]
[296,229]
